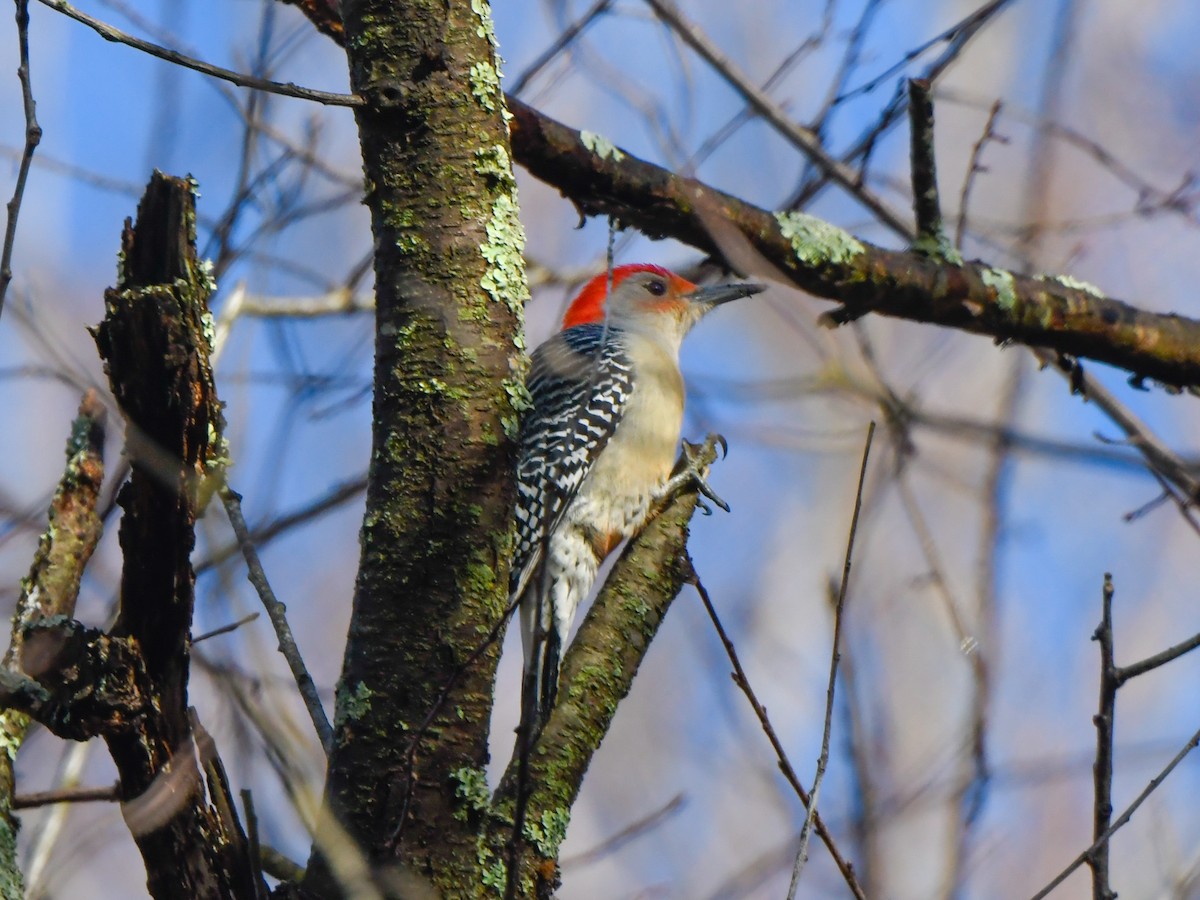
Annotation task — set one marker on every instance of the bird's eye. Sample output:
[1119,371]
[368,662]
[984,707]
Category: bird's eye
[656,287]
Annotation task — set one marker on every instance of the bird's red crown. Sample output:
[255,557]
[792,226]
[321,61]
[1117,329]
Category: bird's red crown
[588,306]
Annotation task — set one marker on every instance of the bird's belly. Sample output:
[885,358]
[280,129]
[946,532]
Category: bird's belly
[616,496]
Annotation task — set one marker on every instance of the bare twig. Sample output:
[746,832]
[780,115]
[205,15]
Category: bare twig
[50,827]
[337,496]
[1122,819]
[785,765]
[927,207]
[1150,196]
[1102,771]
[33,136]
[976,168]
[823,759]
[1124,673]
[630,832]
[804,139]
[956,38]
[284,89]
[108,794]
[52,587]
[1159,457]
[252,842]
[565,38]
[225,629]
[277,613]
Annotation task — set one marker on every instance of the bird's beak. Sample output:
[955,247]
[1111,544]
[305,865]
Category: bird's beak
[717,294]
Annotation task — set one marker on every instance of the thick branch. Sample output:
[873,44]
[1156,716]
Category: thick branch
[1059,314]
[53,586]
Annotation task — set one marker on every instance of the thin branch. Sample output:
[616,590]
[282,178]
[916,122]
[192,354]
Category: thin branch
[956,38]
[1122,819]
[785,765]
[565,38]
[252,841]
[284,89]
[630,832]
[927,206]
[1124,673]
[110,794]
[803,139]
[1159,457]
[337,496]
[828,262]
[976,168]
[277,613]
[33,136]
[1102,771]
[50,826]
[52,587]
[834,657]
[225,629]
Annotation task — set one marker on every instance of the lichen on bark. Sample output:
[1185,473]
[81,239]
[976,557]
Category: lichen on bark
[450,290]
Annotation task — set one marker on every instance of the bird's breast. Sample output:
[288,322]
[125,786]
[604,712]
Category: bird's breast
[627,475]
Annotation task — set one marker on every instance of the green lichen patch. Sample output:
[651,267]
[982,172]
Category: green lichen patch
[815,242]
[207,276]
[495,162]
[601,146]
[937,247]
[519,400]
[493,871]
[1003,283]
[485,28]
[548,831]
[353,703]
[471,787]
[485,84]
[504,249]
[1075,284]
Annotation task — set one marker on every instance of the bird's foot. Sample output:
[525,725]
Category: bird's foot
[691,471]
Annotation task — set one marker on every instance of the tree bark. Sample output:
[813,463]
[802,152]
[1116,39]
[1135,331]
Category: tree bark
[415,697]
[155,343]
[51,589]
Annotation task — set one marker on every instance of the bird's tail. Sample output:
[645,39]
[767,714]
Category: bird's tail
[543,656]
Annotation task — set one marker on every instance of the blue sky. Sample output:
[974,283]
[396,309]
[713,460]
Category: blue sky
[109,111]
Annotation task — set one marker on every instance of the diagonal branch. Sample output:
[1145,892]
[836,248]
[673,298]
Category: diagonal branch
[33,137]
[284,89]
[52,586]
[1062,315]
[596,675]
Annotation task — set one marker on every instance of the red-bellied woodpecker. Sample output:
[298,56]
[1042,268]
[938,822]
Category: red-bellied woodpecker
[597,447]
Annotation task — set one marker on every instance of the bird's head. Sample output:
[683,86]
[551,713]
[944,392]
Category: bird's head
[646,296]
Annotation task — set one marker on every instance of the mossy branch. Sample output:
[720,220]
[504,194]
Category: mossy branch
[51,589]
[597,673]
[1060,314]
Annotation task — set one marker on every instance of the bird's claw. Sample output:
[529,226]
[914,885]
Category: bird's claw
[693,473]
[706,491]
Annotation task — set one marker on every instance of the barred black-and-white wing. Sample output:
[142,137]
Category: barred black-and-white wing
[580,383]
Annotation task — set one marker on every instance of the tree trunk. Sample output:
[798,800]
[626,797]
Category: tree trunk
[415,698]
